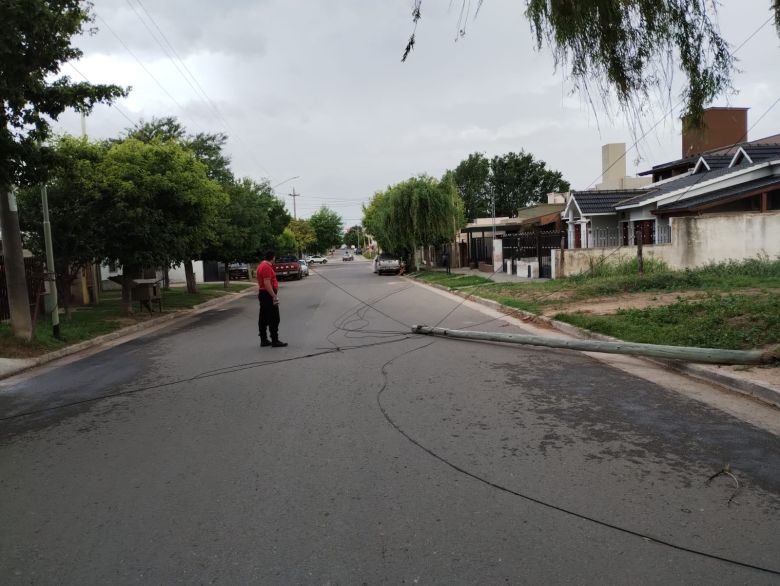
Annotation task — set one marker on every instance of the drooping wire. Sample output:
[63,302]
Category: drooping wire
[536,500]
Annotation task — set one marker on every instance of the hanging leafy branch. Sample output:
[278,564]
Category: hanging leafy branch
[630,48]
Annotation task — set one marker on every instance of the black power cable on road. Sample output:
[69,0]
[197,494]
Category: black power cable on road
[538,501]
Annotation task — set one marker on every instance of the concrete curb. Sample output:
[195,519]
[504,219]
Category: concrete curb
[764,393]
[122,332]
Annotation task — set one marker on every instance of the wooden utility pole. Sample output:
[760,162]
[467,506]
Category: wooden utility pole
[18,299]
[295,209]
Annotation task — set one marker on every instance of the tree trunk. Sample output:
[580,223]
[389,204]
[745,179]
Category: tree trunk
[167,278]
[227,274]
[189,274]
[127,292]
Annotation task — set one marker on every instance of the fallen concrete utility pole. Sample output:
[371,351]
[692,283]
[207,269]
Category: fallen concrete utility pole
[685,353]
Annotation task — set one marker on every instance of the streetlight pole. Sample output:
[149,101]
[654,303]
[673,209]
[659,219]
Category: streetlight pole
[294,196]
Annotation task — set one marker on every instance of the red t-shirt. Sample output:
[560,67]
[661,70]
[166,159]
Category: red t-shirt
[266,271]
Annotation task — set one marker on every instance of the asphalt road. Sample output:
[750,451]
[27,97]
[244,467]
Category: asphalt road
[364,454]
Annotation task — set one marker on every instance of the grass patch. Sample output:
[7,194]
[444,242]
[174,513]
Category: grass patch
[94,320]
[731,322]
[451,280]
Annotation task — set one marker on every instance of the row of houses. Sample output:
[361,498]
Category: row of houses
[719,201]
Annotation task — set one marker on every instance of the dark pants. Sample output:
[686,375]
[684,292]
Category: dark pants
[446,263]
[269,316]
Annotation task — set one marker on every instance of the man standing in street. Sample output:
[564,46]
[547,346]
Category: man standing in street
[269,302]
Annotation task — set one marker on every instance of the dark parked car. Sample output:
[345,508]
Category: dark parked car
[358,251]
[238,270]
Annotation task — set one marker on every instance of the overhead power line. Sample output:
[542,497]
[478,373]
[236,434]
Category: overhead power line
[191,78]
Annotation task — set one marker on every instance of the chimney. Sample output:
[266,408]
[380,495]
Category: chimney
[723,127]
[613,165]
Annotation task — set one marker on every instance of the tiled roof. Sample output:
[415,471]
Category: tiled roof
[685,181]
[602,202]
[720,194]
[763,148]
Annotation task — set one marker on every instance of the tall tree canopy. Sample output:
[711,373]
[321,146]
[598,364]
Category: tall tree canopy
[328,228]
[630,47]
[35,42]
[247,224]
[417,212]
[158,203]
[354,236]
[78,232]
[304,233]
[515,180]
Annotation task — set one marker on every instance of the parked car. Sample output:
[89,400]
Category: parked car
[304,267]
[358,251]
[387,263]
[288,267]
[347,256]
[238,270]
[318,259]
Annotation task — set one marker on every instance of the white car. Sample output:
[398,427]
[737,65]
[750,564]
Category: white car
[318,259]
[387,263]
[304,267]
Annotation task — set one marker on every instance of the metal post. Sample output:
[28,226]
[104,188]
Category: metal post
[50,270]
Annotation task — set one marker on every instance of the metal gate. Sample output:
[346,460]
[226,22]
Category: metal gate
[33,272]
[533,246]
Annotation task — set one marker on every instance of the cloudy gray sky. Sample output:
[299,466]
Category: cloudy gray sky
[317,89]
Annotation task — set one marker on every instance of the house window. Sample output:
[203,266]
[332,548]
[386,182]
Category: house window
[773,200]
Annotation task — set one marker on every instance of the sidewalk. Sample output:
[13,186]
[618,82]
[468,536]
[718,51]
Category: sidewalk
[500,277]
[12,366]
[762,383]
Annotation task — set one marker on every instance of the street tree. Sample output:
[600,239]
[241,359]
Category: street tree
[304,234]
[73,195]
[208,148]
[157,204]
[245,226]
[630,48]
[354,236]
[35,42]
[328,228]
[512,180]
[286,243]
[518,180]
[420,211]
[471,179]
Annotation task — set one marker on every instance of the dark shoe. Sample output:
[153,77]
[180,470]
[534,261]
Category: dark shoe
[278,344]
[265,343]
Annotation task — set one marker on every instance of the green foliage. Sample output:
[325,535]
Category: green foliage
[354,236]
[207,147]
[303,232]
[328,229]
[417,212]
[35,42]
[286,243]
[78,234]
[157,203]
[732,322]
[515,180]
[451,280]
[628,46]
[471,177]
[248,224]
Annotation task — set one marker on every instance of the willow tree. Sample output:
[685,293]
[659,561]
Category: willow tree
[629,48]
[420,211]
